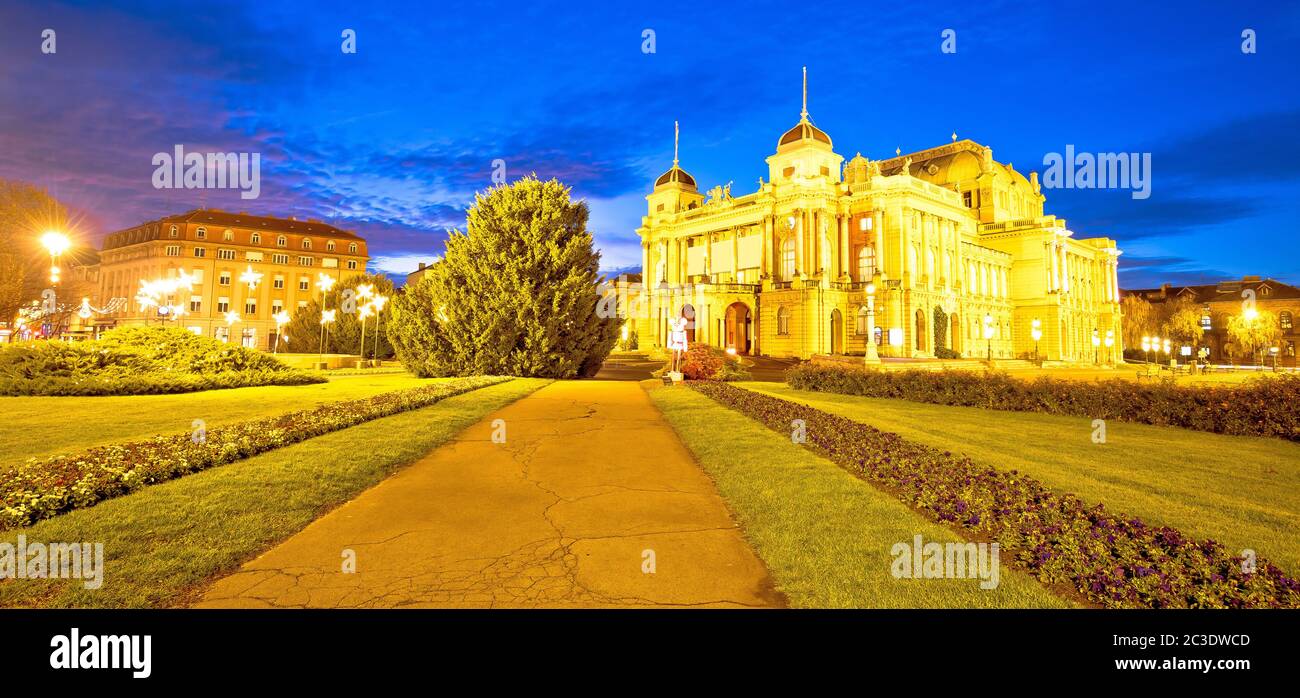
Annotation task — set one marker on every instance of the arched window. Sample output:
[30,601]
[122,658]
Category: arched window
[866,264]
[281,241]
[201,233]
[306,243]
[860,326]
[1286,320]
[256,238]
[329,245]
[920,330]
[352,247]
[783,320]
[787,259]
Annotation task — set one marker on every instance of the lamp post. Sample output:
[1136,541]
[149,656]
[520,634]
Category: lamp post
[364,291]
[1096,347]
[1166,347]
[56,244]
[326,317]
[281,318]
[231,318]
[1037,333]
[872,356]
[988,336]
[1110,343]
[378,302]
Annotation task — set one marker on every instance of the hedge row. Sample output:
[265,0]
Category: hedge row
[1265,406]
[41,488]
[1110,559]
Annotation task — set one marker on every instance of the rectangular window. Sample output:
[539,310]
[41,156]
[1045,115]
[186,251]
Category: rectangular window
[304,283]
[305,261]
[223,305]
[199,252]
[196,304]
[173,250]
[253,256]
[352,264]
[276,307]
[250,307]
[278,282]
[224,278]
[330,262]
[280,259]
[226,254]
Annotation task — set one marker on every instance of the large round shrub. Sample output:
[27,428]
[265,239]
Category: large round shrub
[514,295]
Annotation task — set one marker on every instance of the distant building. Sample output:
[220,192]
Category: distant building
[954,244]
[414,277]
[215,248]
[1224,299]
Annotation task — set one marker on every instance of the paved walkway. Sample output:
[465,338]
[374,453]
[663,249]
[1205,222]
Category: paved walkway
[564,514]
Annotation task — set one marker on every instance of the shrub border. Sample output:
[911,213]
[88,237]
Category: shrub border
[1264,407]
[1110,559]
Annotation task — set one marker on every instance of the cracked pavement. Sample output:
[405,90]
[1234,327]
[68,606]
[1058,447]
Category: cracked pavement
[560,515]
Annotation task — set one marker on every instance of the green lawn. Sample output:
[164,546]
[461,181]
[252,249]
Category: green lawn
[165,542]
[44,426]
[825,535]
[1242,491]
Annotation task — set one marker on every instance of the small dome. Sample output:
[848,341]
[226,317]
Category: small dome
[678,176]
[857,170]
[804,131]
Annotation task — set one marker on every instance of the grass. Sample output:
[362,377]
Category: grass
[824,534]
[45,426]
[1242,491]
[165,542]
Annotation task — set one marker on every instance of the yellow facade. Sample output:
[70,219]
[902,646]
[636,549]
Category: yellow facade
[785,271]
[217,248]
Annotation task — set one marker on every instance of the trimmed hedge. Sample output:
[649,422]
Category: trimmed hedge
[1265,406]
[1111,559]
[41,488]
[139,360]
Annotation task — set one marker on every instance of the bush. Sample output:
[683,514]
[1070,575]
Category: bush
[515,295]
[1261,407]
[701,363]
[41,488]
[139,360]
[1110,559]
[946,353]
[629,344]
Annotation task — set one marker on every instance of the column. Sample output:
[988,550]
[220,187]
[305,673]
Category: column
[877,239]
[798,241]
[645,264]
[735,255]
[845,256]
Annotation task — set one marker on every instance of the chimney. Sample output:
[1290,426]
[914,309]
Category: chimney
[421,266]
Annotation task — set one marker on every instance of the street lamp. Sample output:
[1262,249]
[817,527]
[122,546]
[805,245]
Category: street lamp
[872,356]
[326,317]
[1146,347]
[281,318]
[231,318]
[1166,348]
[1110,342]
[56,243]
[378,302]
[363,312]
[988,336]
[1037,333]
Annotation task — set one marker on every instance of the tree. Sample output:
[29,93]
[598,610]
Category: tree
[344,336]
[1182,321]
[516,294]
[1254,330]
[1140,320]
[26,212]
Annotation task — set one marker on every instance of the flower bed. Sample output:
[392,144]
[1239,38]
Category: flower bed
[1110,559]
[41,488]
[1262,407]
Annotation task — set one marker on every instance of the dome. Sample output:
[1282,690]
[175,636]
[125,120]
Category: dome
[857,170]
[804,131]
[676,175]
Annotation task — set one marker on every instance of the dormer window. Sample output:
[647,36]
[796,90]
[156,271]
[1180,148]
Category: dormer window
[329,245]
[352,247]
[256,239]
[282,241]
[306,243]
[201,233]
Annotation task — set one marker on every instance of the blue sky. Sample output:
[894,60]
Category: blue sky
[394,140]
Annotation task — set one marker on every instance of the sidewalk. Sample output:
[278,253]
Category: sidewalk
[590,483]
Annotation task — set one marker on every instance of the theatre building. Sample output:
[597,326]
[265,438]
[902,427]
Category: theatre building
[221,253]
[940,252]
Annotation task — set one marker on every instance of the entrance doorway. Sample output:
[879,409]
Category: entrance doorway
[739,326]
